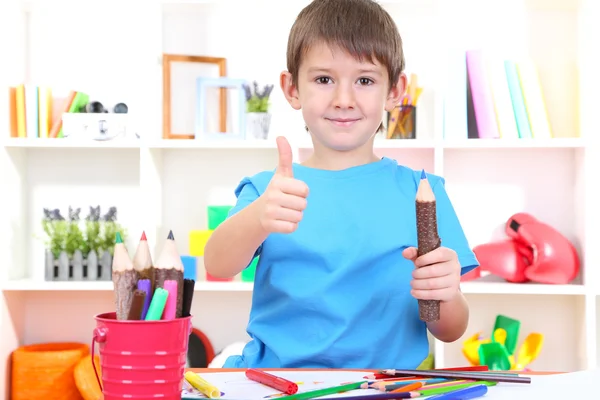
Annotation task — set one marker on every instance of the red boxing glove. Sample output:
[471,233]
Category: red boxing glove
[554,259]
[505,259]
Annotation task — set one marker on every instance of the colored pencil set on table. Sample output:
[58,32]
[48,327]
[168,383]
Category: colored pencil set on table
[441,384]
[150,291]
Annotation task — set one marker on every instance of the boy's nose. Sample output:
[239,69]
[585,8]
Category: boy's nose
[344,98]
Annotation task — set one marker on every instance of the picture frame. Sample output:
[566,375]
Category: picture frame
[217,67]
[222,83]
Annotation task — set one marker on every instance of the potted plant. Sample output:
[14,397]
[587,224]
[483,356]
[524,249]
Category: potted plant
[258,118]
[76,254]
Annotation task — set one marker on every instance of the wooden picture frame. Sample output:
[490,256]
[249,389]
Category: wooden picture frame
[167,59]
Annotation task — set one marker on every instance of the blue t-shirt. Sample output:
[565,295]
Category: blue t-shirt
[336,292]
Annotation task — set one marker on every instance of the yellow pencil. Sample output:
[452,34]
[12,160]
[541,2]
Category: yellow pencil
[202,385]
[412,87]
[419,91]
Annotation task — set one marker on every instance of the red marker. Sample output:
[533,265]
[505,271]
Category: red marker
[273,381]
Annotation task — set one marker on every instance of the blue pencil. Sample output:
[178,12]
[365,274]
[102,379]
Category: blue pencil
[383,396]
[471,392]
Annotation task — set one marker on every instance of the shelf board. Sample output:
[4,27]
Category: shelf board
[474,287]
[471,287]
[552,143]
[27,285]
[209,144]
[466,144]
[35,143]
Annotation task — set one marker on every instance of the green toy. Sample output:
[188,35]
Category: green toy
[511,327]
[216,215]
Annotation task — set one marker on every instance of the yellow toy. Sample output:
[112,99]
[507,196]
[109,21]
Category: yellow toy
[493,353]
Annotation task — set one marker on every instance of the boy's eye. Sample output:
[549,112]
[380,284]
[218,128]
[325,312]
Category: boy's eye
[365,81]
[323,80]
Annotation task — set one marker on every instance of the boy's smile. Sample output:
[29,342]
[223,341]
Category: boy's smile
[342,98]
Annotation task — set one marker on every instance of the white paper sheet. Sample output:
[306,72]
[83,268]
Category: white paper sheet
[235,385]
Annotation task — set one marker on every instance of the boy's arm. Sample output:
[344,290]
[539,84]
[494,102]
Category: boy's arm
[454,314]
[234,243]
[454,319]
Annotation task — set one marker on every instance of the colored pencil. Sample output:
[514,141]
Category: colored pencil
[142,261]
[491,377]
[463,394]
[124,278]
[384,385]
[411,387]
[384,377]
[325,392]
[169,266]
[381,396]
[449,389]
[427,239]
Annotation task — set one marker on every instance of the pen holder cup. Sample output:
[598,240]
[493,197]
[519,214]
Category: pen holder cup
[141,359]
[402,122]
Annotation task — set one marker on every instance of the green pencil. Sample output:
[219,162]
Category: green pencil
[446,389]
[323,392]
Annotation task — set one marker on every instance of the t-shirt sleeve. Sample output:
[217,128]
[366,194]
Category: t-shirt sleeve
[450,230]
[246,193]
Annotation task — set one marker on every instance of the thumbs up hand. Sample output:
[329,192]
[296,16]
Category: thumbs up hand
[284,200]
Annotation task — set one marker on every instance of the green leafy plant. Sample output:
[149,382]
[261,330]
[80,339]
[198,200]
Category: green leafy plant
[109,229]
[56,229]
[92,231]
[257,100]
[74,239]
[66,235]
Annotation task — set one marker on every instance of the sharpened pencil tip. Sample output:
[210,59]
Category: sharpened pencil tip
[423,174]
[171,237]
[118,239]
[143,236]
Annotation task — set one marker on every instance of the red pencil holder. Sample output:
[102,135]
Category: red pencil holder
[141,359]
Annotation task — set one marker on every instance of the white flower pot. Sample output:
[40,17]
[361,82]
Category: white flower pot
[257,125]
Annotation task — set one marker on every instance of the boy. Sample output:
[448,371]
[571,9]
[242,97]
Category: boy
[336,285]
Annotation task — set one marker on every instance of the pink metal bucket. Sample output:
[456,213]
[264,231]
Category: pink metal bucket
[141,359]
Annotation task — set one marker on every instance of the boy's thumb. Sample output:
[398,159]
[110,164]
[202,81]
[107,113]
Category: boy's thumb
[410,253]
[284,149]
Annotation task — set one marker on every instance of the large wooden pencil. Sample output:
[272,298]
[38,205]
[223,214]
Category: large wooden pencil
[427,239]
[168,266]
[124,278]
[142,262]
[479,376]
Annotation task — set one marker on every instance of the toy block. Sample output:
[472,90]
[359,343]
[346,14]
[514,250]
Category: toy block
[198,240]
[211,278]
[248,273]
[190,267]
[216,215]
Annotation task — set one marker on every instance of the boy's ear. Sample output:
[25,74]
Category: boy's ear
[290,91]
[396,93]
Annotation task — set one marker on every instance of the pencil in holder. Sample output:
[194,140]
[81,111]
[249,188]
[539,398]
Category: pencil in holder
[402,122]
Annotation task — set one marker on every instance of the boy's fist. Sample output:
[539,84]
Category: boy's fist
[285,198]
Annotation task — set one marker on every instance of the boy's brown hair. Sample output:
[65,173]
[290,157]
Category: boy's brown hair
[361,27]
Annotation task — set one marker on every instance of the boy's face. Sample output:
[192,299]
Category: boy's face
[342,99]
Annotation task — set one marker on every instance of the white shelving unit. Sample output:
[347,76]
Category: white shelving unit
[161,185]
